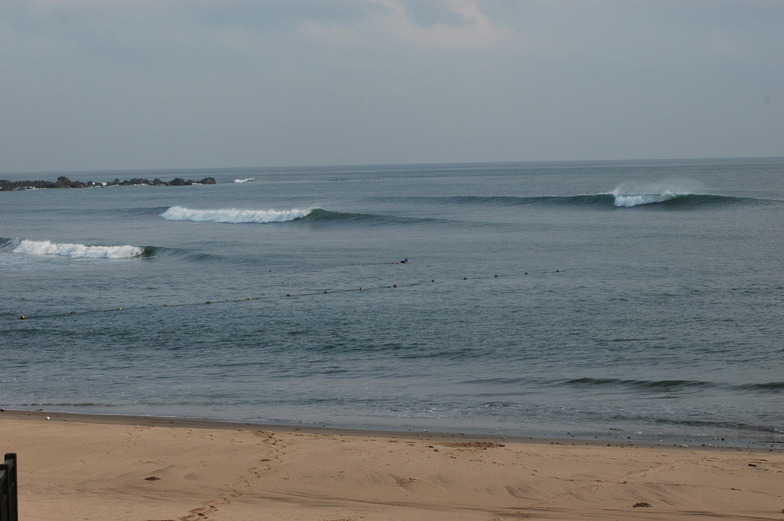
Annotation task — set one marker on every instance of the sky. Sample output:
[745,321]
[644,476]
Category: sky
[156,84]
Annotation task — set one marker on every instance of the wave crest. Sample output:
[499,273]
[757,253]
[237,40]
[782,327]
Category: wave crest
[76,250]
[630,200]
[625,196]
[234,216]
[631,194]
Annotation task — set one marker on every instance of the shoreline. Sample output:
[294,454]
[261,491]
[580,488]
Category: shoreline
[210,423]
[90,467]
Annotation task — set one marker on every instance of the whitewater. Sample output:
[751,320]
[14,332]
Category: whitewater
[29,247]
[629,194]
[233,215]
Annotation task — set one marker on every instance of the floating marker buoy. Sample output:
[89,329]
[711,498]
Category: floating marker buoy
[326,291]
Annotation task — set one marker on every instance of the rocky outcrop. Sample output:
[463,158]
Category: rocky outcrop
[64,182]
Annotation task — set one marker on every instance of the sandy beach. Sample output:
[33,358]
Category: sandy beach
[75,467]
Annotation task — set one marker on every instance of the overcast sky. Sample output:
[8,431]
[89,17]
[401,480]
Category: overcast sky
[137,84]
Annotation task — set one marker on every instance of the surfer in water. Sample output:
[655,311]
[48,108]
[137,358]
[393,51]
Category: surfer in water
[404,261]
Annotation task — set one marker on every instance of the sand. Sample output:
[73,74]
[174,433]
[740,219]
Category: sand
[140,469]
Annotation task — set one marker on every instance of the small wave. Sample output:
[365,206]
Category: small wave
[672,385]
[77,250]
[233,215]
[772,387]
[507,200]
[735,426]
[245,180]
[52,405]
[325,216]
[663,385]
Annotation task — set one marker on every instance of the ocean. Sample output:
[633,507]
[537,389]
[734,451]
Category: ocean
[618,300]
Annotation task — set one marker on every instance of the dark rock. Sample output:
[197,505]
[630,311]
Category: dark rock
[65,182]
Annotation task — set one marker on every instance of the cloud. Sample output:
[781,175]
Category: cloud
[437,24]
[447,24]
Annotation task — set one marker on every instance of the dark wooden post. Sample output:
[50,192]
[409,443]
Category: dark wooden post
[8,498]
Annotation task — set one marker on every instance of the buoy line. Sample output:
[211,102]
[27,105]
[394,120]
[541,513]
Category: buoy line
[287,295]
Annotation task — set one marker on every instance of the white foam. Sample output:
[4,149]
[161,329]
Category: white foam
[246,180]
[76,250]
[233,215]
[629,200]
[630,194]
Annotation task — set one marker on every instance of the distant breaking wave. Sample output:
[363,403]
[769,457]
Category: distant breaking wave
[314,216]
[74,250]
[673,193]
[630,194]
[668,194]
[670,199]
[233,215]
[614,199]
[245,180]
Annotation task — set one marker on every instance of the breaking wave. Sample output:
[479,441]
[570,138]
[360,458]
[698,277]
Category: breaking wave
[616,199]
[630,194]
[28,247]
[245,180]
[233,215]
[309,216]
[665,195]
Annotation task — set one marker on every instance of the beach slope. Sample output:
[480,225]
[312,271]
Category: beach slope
[138,469]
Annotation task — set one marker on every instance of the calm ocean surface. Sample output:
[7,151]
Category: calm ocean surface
[618,300]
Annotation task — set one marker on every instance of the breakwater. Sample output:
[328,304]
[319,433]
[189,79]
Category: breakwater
[64,182]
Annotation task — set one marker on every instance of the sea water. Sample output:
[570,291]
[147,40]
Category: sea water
[633,300]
